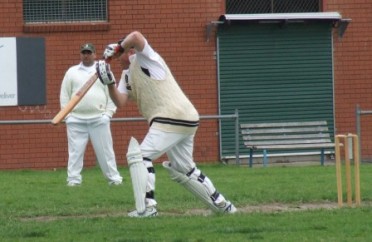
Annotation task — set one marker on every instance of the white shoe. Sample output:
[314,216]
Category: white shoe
[115,183]
[226,207]
[73,184]
[230,208]
[149,212]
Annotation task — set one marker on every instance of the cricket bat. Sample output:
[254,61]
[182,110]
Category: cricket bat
[74,100]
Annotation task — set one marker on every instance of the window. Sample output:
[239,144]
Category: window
[272,6]
[64,11]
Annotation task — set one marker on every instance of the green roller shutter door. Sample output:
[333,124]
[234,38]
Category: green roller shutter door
[274,73]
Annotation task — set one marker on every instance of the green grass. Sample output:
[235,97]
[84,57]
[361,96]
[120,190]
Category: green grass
[38,206]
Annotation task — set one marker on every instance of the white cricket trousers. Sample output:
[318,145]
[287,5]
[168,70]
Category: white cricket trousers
[178,147]
[98,131]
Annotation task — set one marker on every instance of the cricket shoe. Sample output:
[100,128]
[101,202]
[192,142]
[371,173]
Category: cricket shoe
[149,212]
[227,207]
[230,208]
[115,183]
[73,184]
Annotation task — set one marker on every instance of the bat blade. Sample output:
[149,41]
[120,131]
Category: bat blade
[74,100]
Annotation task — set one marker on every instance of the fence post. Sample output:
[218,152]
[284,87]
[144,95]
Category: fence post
[357,114]
[237,159]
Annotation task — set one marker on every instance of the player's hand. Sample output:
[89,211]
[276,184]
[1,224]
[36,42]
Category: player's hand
[112,51]
[109,51]
[104,73]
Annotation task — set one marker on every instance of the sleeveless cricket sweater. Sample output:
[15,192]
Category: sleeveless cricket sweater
[162,102]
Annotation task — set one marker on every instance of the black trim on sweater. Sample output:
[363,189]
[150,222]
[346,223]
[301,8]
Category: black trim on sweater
[177,122]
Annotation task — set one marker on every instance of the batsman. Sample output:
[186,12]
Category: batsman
[173,121]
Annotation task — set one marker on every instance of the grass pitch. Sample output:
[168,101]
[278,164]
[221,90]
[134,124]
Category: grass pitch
[281,203]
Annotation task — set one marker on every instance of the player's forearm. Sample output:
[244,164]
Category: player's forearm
[134,40]
[65,93]
[120,99]
[64,98]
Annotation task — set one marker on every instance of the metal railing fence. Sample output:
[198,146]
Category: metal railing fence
[234,116]
[358,113]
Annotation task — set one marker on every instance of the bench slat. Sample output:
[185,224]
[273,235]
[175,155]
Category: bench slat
[288,142]
[288,124]
[286,130]
[295,136]
[294,146]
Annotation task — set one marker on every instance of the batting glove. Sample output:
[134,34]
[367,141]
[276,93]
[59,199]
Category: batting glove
[112,51]
[104,73]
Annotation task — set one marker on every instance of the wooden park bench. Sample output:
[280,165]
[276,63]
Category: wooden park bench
[313,135]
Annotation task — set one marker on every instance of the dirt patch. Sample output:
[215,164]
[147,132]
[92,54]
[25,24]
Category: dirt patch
[269,208]
[264,208]
[277,207]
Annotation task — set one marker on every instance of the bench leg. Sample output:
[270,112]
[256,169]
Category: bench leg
[250,157]
[265,161]
[322,157]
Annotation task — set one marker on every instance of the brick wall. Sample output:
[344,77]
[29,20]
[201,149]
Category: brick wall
[353,69]
[177,31]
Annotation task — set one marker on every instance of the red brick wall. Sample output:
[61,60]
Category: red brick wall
[353,69]
[177,31]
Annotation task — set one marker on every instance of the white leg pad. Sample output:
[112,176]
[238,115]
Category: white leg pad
[138,173]
[198,189]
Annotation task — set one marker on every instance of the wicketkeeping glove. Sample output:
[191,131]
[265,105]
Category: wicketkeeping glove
[104,73]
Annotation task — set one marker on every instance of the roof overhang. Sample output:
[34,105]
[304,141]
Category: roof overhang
[290,17]
[283,18]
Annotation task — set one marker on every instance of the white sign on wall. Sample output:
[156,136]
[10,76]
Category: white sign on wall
[8,70]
